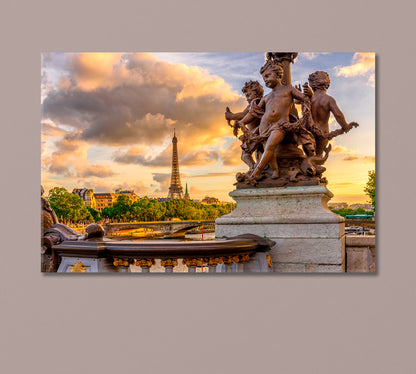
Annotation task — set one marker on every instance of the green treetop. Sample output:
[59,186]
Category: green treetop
[68,206]
[370,188]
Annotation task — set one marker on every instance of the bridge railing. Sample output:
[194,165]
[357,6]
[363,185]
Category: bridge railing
[244,253]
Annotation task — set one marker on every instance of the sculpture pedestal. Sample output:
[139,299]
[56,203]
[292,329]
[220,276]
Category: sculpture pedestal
[308,236]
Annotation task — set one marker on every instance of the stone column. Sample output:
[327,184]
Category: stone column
[308,236]
[360,253]
[285,59]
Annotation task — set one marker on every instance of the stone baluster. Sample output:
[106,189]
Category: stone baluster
[122,265]
[229,261]
[242,259]
[145,264]
[259,262]
[169,264]
[191,264]
[212,263]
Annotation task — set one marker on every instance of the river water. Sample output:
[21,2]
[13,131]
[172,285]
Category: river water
[187,237]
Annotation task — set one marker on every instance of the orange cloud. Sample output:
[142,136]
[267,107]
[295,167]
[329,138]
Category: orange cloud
[339,149]
[231,156]
[139,188]
[369,159]
[350,155]
[364,63]
[204,84]
[196,193]
[164,182]
[187,156]
[70,151]
[51,130]
[213,175]
[94,170]
[349,158]
[138,99]
[93,70]
[70,159]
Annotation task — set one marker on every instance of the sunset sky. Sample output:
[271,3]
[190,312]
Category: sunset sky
[108,119]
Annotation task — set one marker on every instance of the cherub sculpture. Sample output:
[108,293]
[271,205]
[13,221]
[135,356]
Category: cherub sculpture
[289,150]
[322,105]
[254,93]
[275,123]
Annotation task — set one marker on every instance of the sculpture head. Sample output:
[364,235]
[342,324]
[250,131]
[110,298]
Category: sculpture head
[319,80]
[252,90]
[272,73]
[48,215]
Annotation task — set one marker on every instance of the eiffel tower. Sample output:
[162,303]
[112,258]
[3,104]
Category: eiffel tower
[175,189]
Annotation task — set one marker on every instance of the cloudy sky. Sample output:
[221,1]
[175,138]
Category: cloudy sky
[108,119]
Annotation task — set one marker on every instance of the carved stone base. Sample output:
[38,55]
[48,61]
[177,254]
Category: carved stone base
[308,236]
[290,174]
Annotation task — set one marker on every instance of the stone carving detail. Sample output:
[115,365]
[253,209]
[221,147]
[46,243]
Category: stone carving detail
[78,267]
[145,262]
[193,261]
[121,262]
[169,262]
[231,259]
[48,216]
[269,261]
[54,233]
[280,147]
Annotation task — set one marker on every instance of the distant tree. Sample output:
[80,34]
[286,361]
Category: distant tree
[147,209]
[68,206]
[107,212]
[122,207]
[95,214]
[370,188]
[350,212]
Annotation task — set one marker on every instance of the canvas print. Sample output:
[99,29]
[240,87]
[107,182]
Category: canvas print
[208,162]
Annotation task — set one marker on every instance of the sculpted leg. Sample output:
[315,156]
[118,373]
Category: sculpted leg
[321,143]
[246,157]
[274,166]
[269,152]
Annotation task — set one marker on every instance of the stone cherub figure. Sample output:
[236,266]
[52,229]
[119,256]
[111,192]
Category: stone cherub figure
[322,105]
[254,93]
[274,123]
[316,116]
[271,128]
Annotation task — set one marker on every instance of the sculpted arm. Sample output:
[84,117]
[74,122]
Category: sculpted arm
[302,97]
[339,116]
[253,112]
[236,116]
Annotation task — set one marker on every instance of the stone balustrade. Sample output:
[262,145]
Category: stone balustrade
[244,253]
[360,253]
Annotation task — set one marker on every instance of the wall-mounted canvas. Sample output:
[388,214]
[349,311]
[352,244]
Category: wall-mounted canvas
[208,162]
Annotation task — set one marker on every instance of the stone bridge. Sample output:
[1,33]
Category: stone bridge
[171,228]
[361,223]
